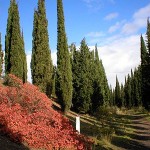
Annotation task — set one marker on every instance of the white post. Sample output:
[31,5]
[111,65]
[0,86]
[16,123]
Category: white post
[78,123]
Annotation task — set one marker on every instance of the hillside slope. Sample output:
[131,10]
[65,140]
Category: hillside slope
[27,116]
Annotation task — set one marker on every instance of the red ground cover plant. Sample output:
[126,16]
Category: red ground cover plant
[26,115]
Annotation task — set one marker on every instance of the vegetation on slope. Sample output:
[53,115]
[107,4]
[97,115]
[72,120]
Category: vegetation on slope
[26,115]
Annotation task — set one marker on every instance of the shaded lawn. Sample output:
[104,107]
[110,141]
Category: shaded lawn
[127,135]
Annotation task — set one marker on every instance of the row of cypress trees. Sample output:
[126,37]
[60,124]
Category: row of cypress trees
[90,86]
[135,91]
[79,80]
[145,68]
[61,80]
[129,94]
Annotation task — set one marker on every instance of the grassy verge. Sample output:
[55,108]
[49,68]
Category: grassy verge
[113,131]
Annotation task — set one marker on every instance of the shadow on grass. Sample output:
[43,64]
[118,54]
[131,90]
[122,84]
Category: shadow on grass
[138,137]
[136,127]
[128,144]
[130,131]
[131,140]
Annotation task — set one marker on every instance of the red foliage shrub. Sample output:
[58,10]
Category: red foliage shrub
[26,115]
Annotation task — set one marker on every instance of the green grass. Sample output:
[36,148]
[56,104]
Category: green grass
[112,132]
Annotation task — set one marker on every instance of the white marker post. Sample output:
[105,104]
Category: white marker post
[78,123]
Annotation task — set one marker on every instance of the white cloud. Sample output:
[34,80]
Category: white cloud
[93,5]
[121,52]
[138,21]
[111,16]
[116,27]
[95,34]
[119,56]
[54,57]
[96,5]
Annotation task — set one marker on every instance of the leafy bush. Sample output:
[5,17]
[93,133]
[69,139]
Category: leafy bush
[12,80]
[26,116]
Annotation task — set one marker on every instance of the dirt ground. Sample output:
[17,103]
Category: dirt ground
[140,138]
[142,127]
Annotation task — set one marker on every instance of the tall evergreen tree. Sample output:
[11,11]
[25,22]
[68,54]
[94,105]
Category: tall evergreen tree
[98,93]
[147,99]
[132,89]
[137,87]
[1,58]
[148,36]
[127,92]
[14,47]
[111,96]
[144,53]
[118,94]
[53,82]
[105,86]
[24,61]
[145,73]
[64,73]
[82,84]
[76,74]
[102,79]
[122,95]
[41,62]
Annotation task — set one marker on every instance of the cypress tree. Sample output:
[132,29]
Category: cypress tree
[76,74]
[101,91]
[122,95]
[64,73]
[24,61]
[148,36]
[1,57]
[97,96]
[147,99]
[144,53]
[105,86]
[132,89]
[145,72]
[41,62]
[82,84]
[137,87]
[53,82]
[111,96]
[118,94]
[14,48]
[127,92]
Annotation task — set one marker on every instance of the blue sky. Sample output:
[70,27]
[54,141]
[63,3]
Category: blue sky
[115,25]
